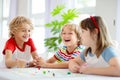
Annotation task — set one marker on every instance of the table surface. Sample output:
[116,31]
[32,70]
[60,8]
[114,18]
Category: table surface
[47,74]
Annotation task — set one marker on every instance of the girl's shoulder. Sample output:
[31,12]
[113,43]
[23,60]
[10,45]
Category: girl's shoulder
[109,49]
[109,52]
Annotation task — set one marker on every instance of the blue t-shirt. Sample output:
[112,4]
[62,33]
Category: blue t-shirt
[103,59]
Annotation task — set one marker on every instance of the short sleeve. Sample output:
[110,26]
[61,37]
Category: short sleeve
[31,43]
[82,56]
[10,44]
[109,53]
[57,54]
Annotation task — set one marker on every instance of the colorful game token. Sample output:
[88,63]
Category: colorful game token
[44,72]
[68,73]
[38,67]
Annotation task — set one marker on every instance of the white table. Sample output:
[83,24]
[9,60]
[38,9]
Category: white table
[47,74]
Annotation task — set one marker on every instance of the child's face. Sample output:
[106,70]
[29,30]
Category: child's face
[23,33]
[69,37]
[86,38]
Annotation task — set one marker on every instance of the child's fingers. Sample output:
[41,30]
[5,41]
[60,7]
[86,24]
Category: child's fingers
[38,58]
[83,67]
[75,68]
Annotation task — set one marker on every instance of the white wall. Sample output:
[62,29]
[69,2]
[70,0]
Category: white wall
[118,22]
[108,9]
[0,19]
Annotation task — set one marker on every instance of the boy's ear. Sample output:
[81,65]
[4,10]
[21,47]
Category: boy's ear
[13,31]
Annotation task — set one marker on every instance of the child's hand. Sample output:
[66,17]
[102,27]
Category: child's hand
[39,61]
[21,63]
[31,64]
[83,68]
[74,68]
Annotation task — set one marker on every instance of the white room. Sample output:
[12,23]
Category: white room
[39,11]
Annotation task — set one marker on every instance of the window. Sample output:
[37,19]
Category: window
[86,8]
[38,18]
[4,18]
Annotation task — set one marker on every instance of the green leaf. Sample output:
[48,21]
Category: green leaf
[48,25]
[57,9]
[70,15]
[59,40]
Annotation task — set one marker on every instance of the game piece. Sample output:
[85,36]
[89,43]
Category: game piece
[54,74]
[68,73]
[48,71]
[38,67]
[44,72]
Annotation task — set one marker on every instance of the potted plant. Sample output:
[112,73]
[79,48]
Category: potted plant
[66,16]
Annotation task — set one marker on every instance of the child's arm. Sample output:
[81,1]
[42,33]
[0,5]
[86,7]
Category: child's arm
[41,62]
[51,60]
[56,65]
[13,63]
[112,70]
[8,59]
[34,55]
[74,64]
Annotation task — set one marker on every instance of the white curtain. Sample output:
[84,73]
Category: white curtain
[1,6]
[19,7]
[13,9]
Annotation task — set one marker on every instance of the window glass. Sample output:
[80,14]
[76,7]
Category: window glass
[38,6]
[6,5]
[38,19]
[5,16]
[86,6]
[85,3]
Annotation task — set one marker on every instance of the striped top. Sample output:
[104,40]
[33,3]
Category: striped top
[62,55]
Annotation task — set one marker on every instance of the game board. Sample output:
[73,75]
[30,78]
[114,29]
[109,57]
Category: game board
[43,73]
[47,74]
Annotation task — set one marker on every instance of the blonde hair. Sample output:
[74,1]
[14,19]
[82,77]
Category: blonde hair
[75,28]
[103,39]
[17,22]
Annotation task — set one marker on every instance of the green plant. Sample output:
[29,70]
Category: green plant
[66,16]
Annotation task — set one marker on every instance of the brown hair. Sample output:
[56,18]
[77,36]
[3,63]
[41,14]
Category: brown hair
[17,22]
[75,28]
[103,39]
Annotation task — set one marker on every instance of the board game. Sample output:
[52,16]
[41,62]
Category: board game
[30,72]
[35,73]
[47,74]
